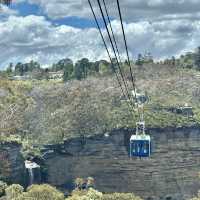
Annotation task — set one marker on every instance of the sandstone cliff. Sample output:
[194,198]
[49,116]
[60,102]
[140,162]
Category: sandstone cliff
[170,173]
[11,163]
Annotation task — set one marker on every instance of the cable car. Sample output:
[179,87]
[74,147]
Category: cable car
[140,143]
[141,98]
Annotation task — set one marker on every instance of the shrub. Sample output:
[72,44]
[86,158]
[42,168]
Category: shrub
[90,182]
[94,195]
[3,187]
[197,197]
[42,192]
[80,183]
[91,194]
[120,196]
[14,191]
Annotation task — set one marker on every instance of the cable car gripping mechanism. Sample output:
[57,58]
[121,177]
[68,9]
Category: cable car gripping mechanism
[140,128]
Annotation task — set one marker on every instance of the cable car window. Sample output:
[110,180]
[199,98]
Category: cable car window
[146,147]
[133,147]
[138,147]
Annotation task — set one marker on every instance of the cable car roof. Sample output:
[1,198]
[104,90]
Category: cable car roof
[140,137]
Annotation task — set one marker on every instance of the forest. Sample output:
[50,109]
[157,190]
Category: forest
[84,68]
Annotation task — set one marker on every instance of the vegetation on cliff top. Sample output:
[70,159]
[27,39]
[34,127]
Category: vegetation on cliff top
[50,111]
[47,192]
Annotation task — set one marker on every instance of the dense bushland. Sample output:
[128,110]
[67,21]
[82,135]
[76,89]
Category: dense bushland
[52,111]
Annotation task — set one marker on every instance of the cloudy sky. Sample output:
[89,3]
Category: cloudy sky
[49,30]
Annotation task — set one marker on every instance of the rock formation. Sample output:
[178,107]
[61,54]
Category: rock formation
[170,173]
[11,163]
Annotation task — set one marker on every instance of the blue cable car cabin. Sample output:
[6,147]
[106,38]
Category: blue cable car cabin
[140,143]
[140,146]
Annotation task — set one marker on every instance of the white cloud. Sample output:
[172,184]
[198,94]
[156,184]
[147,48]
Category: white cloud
[164,27]
[33,37]
[133,10]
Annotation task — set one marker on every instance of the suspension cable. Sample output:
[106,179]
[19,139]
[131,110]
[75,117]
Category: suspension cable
[113,35]
[113,48]
[112,64]
[128,57]
[112,32]
[126,46]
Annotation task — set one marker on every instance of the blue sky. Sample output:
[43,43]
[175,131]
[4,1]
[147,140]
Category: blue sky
[25,9]
[49,30]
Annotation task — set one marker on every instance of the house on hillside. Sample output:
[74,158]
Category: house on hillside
[56,75]
[20,78]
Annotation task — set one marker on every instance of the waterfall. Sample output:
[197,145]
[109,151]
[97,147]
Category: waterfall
[30,166]
[31,176]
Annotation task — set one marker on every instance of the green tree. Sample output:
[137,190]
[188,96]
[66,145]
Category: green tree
[19,69]
[9,70]
[78,71]
[46,74]
[197,58]
[68,72]
[105,67]
[139,60]
[33,65]
[81,69]
[62,64]
[85,66]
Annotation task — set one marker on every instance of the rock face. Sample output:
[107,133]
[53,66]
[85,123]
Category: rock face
[171,172]
[11,163]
